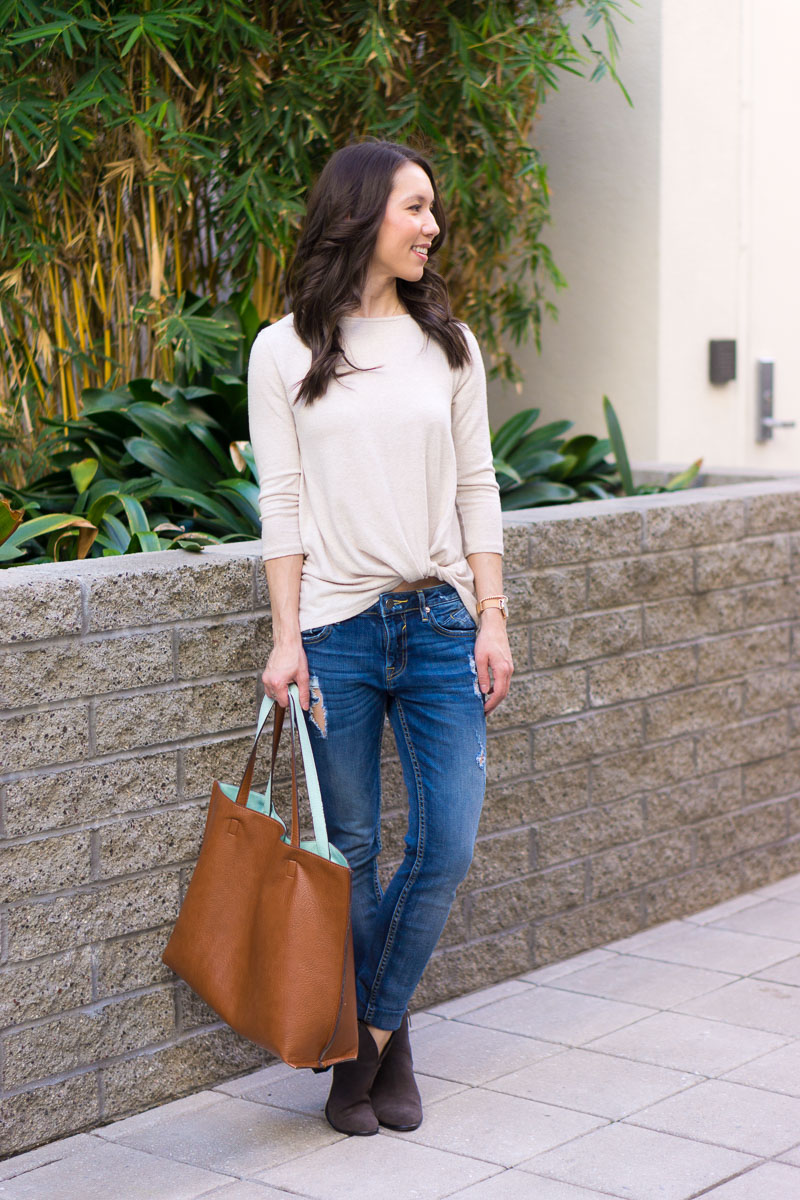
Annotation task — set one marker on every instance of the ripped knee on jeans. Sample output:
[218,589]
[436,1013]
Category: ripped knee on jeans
[317,710]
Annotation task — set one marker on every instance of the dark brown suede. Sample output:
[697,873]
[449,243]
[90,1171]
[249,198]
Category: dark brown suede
[395,1097]
[349,1109]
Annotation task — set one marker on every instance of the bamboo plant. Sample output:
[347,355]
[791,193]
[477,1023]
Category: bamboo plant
[158,151]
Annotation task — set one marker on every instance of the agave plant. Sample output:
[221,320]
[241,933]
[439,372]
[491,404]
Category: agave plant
[537,466]
[682,480]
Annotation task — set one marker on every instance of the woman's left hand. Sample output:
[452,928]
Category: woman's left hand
[493,658]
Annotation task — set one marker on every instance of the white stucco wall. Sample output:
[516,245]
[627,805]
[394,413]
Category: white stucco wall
[700,227]
[603,169]
[674,223]
[773,171]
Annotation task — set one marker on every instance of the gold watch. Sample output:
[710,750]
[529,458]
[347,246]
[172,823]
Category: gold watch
[500,602]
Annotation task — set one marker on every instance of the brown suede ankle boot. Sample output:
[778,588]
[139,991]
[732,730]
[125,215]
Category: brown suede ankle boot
[349,1109]
[395,1096]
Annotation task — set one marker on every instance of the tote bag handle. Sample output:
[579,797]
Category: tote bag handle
[297,720]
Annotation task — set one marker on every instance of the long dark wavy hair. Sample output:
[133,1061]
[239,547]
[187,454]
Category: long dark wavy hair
[326,278]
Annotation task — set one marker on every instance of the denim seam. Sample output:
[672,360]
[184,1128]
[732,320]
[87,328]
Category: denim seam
[412,875]
[376,883]
[391,672]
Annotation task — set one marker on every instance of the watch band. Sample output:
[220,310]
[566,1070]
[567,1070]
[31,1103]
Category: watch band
[502,604]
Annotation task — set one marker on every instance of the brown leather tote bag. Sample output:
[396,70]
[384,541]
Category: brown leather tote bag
[263,934]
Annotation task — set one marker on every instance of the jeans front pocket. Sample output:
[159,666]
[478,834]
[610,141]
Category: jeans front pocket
[452,618]
[315,635]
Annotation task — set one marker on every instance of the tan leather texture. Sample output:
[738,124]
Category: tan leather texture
[263,934]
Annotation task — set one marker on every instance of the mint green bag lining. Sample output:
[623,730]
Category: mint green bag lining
[262,801]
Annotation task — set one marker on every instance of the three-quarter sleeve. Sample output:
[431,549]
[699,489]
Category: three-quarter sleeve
[273,436]
[477,491]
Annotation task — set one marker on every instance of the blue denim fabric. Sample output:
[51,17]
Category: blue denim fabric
[409,655]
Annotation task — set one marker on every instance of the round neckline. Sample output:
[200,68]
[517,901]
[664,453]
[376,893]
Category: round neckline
[396,317]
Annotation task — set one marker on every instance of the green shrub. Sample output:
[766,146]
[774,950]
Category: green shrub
[538,466]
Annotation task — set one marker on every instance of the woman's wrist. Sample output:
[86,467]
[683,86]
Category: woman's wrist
[491,618]
[286,636]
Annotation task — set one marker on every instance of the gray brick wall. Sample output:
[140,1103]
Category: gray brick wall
[647,763]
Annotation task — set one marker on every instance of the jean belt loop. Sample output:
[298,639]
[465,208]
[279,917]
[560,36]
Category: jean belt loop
[423,606]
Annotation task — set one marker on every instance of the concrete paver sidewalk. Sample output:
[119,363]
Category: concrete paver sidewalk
[661,1067]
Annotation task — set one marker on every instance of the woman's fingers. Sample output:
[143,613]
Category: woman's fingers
[278,675]
[501,680]
[482,667]
[302,684]
[495,667]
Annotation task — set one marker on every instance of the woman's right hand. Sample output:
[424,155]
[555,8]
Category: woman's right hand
[287,664]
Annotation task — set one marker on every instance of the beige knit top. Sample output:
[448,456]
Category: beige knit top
[387,477]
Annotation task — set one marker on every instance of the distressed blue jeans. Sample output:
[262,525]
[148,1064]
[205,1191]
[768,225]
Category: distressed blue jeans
[410,655]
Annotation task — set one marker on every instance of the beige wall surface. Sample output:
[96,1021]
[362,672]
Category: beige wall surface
[774,171]
[700,223]
[602,158]
[674,223]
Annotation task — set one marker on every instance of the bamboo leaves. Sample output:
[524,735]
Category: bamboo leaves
[156,153]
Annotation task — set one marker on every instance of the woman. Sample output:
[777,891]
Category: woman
[382,543]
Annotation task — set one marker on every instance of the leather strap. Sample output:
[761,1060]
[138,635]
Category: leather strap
[296,722]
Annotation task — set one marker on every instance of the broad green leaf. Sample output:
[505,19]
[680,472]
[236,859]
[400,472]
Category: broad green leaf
[99,507]
[39,527]
[170,391]
[171,435]
[143,542]
[562,469]
[594,490]
[206,503]
[580,448]
[540,438]
[97,399]
[115,533]
[207,439]
[597,455]
[142,389]
[535,461]
[538,492]
[501,467]
[509,433]
[245,490]
[137,517]
[163,463]
[618,446]
[83,473]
